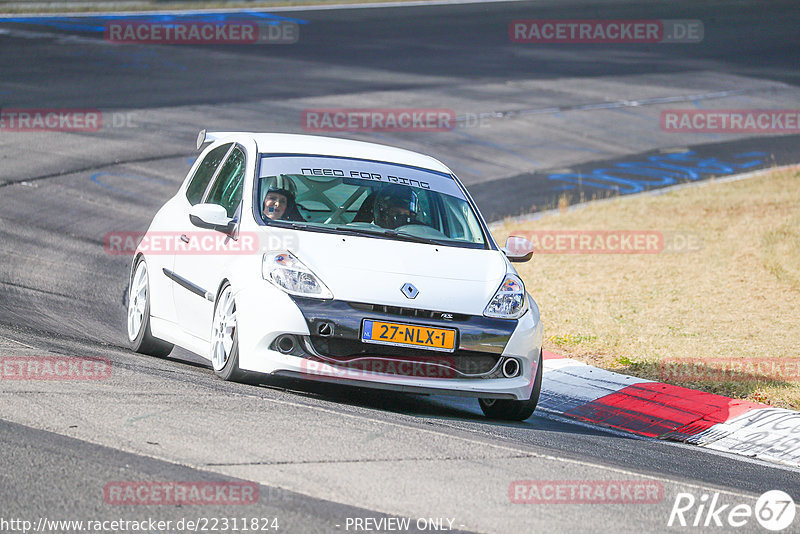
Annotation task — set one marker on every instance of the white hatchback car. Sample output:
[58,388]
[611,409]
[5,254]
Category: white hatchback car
[341,261]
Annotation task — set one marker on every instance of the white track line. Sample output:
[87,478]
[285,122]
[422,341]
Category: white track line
[4,338]
[276,9]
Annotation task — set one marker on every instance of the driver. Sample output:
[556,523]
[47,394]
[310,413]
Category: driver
[396,206]
[279,202]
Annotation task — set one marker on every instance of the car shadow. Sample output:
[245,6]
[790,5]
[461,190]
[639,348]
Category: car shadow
[442,407]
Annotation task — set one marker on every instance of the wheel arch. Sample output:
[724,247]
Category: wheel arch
[134,261]
[225,280]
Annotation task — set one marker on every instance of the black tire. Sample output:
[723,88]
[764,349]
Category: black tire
[230,371]
[514,410]
[145,342]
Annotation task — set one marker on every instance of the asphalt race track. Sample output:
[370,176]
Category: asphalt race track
[531,118]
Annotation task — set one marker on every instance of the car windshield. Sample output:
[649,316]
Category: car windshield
[366,198]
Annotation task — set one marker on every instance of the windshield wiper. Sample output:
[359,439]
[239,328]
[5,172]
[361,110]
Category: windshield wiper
[418,239]
[364,231]
[313,228]
[391,233]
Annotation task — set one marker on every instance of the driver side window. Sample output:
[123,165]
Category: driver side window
[205,171]
[227,188]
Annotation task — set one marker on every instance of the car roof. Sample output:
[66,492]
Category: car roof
[279,143]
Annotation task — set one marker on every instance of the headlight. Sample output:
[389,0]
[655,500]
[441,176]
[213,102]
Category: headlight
[289,274]
[509,300]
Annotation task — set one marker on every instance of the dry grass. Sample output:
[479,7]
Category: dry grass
[736,299]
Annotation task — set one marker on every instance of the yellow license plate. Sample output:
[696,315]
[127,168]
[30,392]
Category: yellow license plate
[406,335]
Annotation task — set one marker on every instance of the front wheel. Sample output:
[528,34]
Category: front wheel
[140,338]
[225,340]
[514,410]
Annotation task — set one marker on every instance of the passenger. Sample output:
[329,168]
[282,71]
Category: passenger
[280,203]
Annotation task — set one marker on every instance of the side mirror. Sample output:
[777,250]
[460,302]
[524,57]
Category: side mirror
[211,216]
[518,249]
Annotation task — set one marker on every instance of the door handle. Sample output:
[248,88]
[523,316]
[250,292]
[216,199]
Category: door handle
[185,238]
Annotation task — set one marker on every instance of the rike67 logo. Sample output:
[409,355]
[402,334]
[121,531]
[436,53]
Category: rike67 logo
[774,511]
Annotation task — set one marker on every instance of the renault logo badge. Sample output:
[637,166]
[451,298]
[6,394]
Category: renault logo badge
[409,290]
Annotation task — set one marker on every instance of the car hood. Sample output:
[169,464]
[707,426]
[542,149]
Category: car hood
[373,270]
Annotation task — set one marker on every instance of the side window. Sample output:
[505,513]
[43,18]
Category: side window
[227,189]
[205,171]
[460,222]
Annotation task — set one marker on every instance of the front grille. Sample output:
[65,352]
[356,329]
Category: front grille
[408,312]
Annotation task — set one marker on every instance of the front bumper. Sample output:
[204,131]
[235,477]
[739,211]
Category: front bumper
[329,349]
[335,338]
